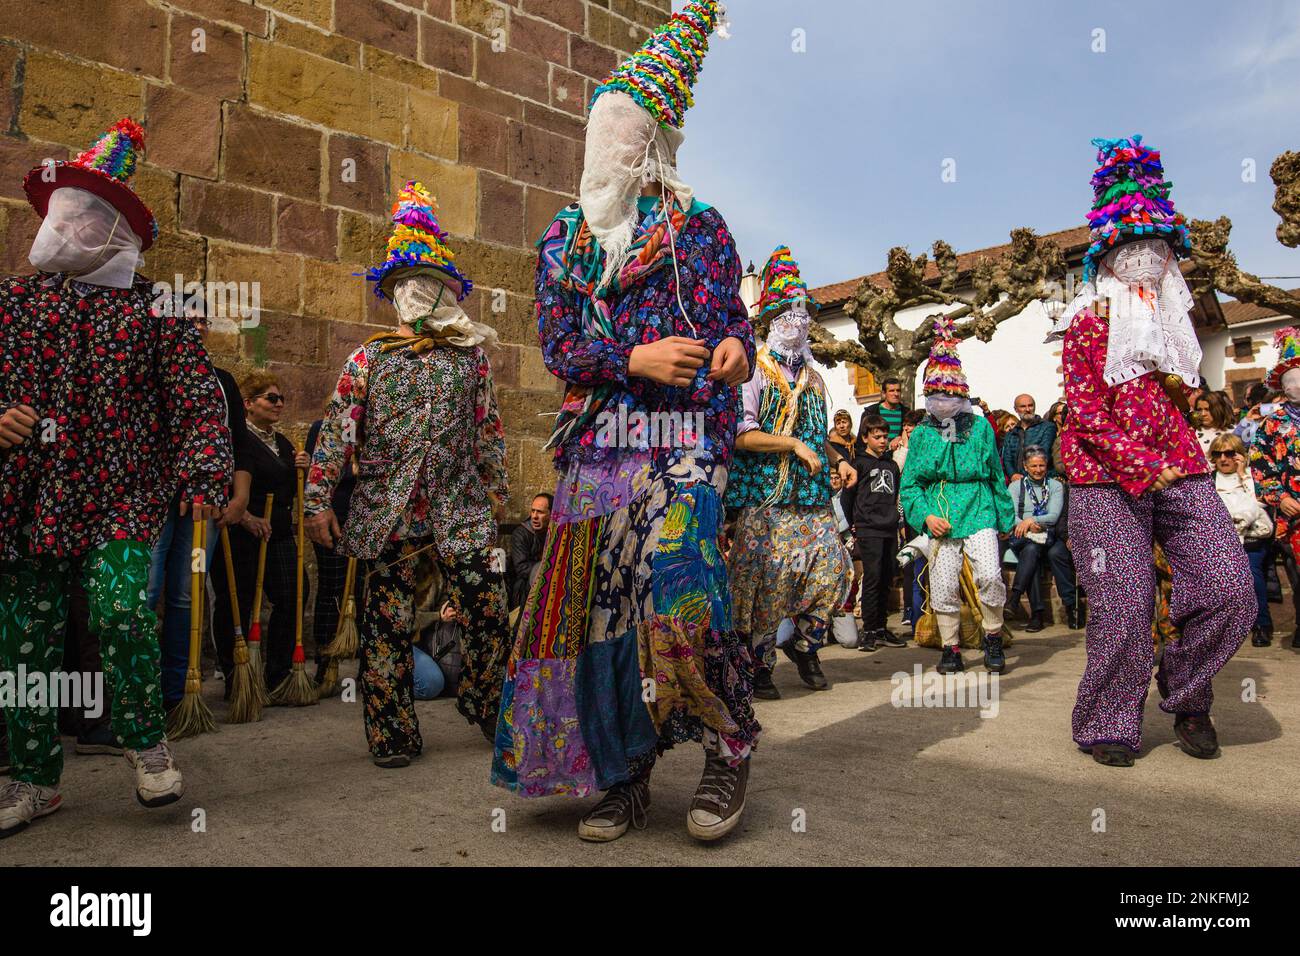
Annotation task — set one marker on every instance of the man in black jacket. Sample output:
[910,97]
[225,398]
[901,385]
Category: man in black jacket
[526,548]
[871,506]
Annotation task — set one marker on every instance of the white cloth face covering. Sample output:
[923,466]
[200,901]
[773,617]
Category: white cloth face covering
[789,333]
[88,238]
[946,407]
[1150,313]
[625,149]
[425,296]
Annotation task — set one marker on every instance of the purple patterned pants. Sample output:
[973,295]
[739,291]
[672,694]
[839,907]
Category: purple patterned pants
[1213,602]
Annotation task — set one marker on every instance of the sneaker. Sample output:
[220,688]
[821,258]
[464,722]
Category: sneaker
[951,661]
[889,638]
[101,740]
[1035,623]
[867,642]
[393,761]
[995,658]
[22,802]
[1112,755]
[906,556]
[719,799]
[623,805]
[1196,732]
[764,689]
[158,780]
[809,667]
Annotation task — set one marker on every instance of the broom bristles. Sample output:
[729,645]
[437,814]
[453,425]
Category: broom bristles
[245,705]
[346,639]
[255,666]
[192,716]
[329,685]
[296,690]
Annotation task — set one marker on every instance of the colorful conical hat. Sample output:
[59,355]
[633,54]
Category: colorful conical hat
[1131,201]
[782,284]
[417,243]
[943,374]
[1287,343]
[659,76]
[105,170]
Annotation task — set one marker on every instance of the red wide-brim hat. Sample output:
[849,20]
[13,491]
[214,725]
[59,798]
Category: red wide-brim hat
[40,183]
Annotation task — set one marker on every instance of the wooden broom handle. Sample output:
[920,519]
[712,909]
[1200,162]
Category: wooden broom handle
[196,594]
[230,582]
[302,544]
[261,566]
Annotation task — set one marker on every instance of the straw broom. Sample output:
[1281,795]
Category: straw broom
[255,665]
[297,690]
[346,641]
[192,716]
[245,705]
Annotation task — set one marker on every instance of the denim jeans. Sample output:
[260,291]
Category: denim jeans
[429,680]
[1257,557]
[169,573]
[1029,558]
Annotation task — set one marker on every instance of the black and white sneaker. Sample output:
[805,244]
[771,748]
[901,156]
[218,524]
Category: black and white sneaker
[889,638]
[951,661]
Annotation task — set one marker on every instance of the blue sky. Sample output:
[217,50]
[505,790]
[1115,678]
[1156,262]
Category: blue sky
[838,151]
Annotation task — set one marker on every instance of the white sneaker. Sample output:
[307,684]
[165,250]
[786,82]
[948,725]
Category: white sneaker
[157,778]
[22,802]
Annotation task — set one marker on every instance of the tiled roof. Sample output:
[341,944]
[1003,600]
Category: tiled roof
[1238,313]
[829,296]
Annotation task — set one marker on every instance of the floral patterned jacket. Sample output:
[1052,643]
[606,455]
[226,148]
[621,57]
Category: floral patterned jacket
[429,446]
[131,414]
[1126,434]
[1275,465]
[710,273]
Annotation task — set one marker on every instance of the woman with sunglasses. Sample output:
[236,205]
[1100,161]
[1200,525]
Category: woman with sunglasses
[1236,486]
[272,462]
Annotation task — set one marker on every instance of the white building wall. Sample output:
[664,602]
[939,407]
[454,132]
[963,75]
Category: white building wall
[1216,363]
[1015,361]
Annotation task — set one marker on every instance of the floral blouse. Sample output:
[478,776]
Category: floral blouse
[429,444]
[1125,434]
[710,274]
[1275,465]
[131,413]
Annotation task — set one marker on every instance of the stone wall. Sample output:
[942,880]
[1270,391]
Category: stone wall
[279,131]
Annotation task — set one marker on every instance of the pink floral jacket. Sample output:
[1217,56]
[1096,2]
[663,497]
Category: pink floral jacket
[1125,434]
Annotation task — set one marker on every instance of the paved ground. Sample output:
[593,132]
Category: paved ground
[872,784]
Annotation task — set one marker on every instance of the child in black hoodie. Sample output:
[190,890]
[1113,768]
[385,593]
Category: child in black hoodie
[871,506]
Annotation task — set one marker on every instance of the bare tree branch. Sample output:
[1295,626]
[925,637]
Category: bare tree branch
[1213,258]
[1001,288]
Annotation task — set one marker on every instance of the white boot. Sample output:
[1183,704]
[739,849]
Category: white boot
[22,802]
[157,778]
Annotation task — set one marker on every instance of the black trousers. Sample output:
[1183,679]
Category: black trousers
[879,564]
[81,655]
[279,591]
[331,578]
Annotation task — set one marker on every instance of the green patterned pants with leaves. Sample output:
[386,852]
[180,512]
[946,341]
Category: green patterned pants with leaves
[33,616]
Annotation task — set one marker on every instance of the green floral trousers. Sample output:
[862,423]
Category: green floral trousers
[33,617]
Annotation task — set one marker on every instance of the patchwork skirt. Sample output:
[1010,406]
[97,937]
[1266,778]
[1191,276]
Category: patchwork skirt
[787,562]
[625,645]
